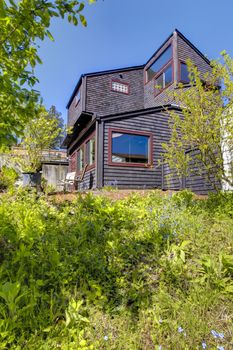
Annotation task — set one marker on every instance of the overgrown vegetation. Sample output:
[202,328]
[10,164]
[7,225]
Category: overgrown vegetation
[139,273]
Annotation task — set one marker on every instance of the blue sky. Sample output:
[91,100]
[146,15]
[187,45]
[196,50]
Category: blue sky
[124,33]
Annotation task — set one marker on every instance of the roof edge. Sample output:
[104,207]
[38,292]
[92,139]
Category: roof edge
[109,71]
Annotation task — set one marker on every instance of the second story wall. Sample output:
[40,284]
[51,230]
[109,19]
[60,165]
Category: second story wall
[103,100]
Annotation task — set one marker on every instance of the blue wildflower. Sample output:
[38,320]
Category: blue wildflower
[214,333]
[204,345]
[220,347]
[221,335]
[180,329]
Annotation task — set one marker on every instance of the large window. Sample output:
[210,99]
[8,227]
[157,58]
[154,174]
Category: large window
[130,148]
[163,80]
[159,63]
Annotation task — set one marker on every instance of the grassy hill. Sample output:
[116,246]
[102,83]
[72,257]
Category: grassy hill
[143,272]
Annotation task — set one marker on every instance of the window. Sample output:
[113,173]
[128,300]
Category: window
[90,150]
[120,87]
[129,148]
[77,98]
[80,160]
[163,80]
[159,63]
[184,73]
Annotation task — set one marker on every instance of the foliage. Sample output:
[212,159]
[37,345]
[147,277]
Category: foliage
[39,134]
[23,24]
[206,127]
[141,273]
[54,114]
[8,176]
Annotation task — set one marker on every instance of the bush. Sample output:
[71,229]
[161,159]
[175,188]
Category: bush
[140,273]
[8,176]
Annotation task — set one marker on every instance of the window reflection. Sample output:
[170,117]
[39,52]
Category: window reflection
[129,148]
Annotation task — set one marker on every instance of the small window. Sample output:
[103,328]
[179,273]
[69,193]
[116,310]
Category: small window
[90,147]
[163,80]
[130,148]
[159,63]
[184,73]
[77,98]
[120,87]
[80,160]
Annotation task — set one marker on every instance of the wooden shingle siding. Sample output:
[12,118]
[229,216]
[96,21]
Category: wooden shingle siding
[185,51]
[101,99]
[74,112]
[137,177]
[89,181]
[146,177]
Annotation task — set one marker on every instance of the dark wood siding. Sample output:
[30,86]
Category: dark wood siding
[103,101]
[74,112]
[89,181]
[157,176]
[137,177]
[185,51]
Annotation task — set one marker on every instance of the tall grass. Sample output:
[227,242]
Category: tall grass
[141,273]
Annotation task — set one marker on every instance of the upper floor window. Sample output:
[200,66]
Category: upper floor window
[120,87]
[159,63]
[184,73]
[77,98]
[130,148]
[163,80]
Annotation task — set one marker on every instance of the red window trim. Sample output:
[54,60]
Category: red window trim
[133,132]
[84,145]
[121,82]
[157,75]
[146,81]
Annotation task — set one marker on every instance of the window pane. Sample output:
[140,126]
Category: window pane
[120,87]
[92,152]
[159,63]
[168,76]
[184,74]
[81,159]
[159,82]
[129,148]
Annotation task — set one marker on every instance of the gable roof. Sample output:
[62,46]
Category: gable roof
[186,40]
[136,67]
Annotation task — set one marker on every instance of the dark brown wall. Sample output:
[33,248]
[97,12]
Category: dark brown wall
[101,100]
[74,112]
[142,177]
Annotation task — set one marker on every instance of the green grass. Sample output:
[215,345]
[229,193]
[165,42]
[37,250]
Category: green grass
[96,274]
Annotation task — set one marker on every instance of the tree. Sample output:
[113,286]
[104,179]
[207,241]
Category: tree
[23,24]
[54,114]
[206,125]
[40,134]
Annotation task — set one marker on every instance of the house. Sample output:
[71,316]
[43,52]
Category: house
[119,120]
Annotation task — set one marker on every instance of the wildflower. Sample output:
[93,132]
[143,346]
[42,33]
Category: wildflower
[220,347]
[214,333]
[160,321]
[105,337]
[160,347]
[217,335]
[203,344]
[180,329]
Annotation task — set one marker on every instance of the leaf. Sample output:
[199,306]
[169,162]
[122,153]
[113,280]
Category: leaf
[83,20]
[49,35]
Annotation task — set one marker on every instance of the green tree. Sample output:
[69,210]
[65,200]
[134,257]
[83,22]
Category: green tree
[40,134]
[54,114]
[206,124]
[23,24]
